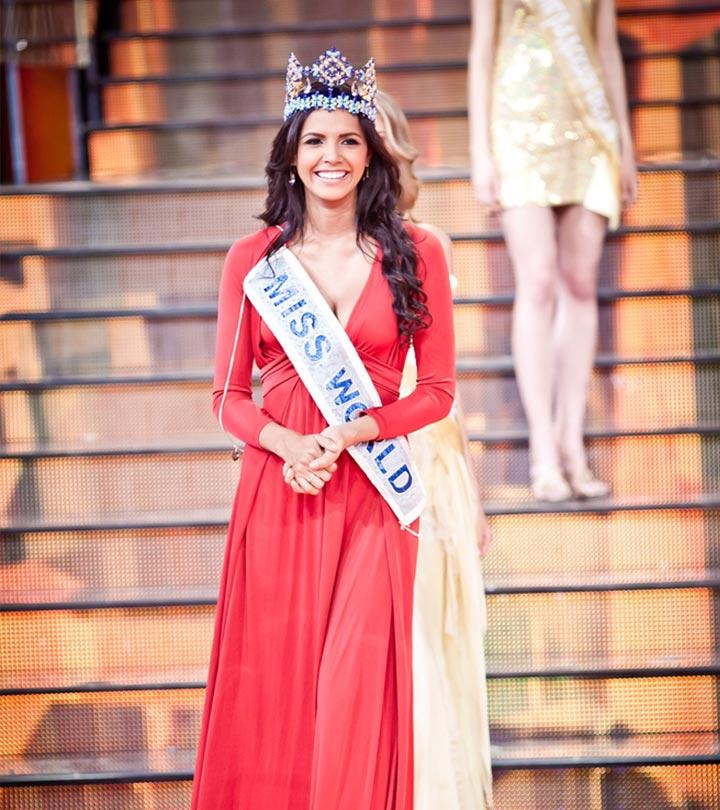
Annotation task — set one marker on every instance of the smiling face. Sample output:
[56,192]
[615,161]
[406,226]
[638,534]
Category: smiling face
[332,155]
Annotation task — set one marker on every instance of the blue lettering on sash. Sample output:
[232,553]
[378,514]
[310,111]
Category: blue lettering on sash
[356,406]
[345,384]
[293,307]
[379,459]
[307,322]
[401,480]
[278,292]
[404,485]
[319,342]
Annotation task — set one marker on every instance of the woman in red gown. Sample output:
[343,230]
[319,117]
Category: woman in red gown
[309,697]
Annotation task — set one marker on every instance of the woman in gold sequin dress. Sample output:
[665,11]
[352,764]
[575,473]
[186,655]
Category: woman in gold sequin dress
[551,148]
[451,734]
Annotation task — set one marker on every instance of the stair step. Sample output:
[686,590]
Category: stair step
[95,413]
[144,15]
[210,147]
[572,630]
[604,554]
[63,592]
[630,788]
[125,346]
[216,49]
[65,643]
[652,327]
[176,273]
[115,486]
[522,708]
[693,758]
[70,724]
[202,211]
[572,788]
[429,85]
[169,677]
[207,308]
[184,339]
[147,102]
[117,767]
[675,20]
[666,196]
[678,466]
[621,396]
[661,466]
[106,795]
[189,517]
[82,215]
[530,635]
[229,61]
[113,645]
[202,51]
[113,415]
[633,261]
[689,748]
[160,564]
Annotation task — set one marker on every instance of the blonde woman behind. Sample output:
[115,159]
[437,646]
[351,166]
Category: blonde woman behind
[451,738]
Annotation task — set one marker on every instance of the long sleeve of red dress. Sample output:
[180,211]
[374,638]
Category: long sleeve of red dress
[241,417]
[434,350]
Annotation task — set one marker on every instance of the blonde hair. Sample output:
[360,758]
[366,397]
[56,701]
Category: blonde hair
[392,119]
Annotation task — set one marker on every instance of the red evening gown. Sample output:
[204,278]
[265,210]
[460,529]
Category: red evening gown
[309,696]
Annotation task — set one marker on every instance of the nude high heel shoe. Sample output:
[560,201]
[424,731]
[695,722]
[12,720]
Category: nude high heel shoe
[548,484]
[584,483]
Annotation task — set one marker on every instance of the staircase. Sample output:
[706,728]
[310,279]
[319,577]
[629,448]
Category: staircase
[115,483]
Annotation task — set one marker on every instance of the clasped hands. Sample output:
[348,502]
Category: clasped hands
[311,460]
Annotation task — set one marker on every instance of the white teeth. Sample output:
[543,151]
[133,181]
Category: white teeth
[331,175]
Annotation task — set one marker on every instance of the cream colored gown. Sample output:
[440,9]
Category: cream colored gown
[452,744]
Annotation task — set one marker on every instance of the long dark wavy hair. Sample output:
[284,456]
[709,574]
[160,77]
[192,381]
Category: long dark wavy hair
[376,216]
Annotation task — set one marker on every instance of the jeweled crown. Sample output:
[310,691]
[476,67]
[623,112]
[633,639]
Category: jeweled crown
[330,83]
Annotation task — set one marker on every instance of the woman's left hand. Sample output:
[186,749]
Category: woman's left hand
[304,481]
[628,177]
[333,440]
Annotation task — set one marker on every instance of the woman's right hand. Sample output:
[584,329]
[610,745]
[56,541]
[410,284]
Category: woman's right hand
[296,448]
[297,451]
[486,181]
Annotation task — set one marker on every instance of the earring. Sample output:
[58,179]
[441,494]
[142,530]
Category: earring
[367,172]
[292,177]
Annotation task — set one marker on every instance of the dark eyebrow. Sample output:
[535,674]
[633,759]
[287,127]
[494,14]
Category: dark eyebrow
[324,135]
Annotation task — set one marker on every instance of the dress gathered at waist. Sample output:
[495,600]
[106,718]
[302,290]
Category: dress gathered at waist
[386,378]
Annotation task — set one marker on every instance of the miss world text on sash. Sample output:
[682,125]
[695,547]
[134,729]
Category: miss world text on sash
[325,359]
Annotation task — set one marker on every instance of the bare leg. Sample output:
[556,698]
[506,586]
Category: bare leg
[531,241]
[580,239]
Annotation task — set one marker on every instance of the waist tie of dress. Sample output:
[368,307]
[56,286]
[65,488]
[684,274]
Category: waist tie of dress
[386,378]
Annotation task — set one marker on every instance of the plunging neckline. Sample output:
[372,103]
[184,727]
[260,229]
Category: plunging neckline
[345,326]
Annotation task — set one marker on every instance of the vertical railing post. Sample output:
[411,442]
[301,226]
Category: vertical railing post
[82,70]
[15,123]
[16,130]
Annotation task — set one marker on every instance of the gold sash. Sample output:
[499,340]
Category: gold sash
[573,47]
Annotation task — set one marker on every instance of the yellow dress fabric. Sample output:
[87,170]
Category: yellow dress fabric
[452,744]
[543,152]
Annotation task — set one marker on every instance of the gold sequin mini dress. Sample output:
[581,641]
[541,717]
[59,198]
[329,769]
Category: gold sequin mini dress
[543,152]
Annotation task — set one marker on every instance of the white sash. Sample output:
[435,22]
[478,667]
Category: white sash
[574,49]
[325,359]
